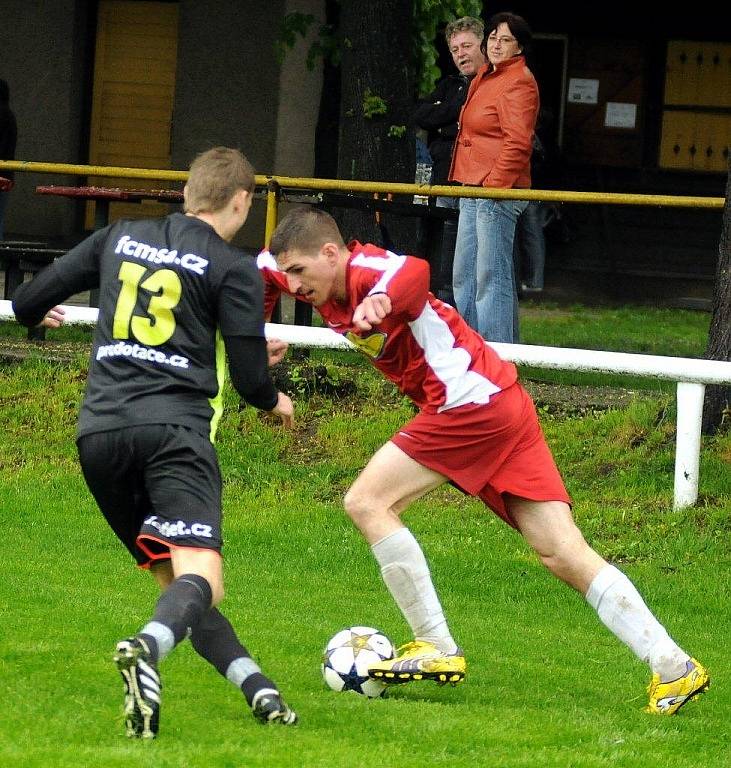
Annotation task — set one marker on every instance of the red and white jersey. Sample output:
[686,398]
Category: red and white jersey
[423,346]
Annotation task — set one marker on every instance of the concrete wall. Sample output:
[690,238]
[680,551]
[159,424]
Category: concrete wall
[299,89]
[230,90]
[226,89]
[43,47]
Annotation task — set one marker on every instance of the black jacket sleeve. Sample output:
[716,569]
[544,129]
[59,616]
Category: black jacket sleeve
[439,111]
[75,271]
[249,369]
[32,300]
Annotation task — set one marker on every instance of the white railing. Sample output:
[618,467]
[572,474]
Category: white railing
[690,374]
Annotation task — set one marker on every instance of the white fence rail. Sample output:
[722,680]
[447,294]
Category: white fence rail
[691,376]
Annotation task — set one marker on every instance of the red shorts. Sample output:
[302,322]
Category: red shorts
[487,450]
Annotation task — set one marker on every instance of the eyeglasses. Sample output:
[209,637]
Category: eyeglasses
[502,40]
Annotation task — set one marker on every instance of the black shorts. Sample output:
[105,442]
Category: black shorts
[157,485]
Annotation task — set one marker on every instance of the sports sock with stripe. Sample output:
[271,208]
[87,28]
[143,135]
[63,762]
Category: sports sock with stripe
[215,640]
[180,606]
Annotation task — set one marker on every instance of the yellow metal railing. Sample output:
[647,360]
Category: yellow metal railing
[275,184]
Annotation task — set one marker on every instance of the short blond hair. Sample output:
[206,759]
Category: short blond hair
[216,175]
[465,24]
[306,230]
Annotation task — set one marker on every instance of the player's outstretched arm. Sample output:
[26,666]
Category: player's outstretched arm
[371,311]
[247,364]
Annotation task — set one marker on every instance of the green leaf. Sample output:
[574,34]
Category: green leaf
[373,104]
[396,131]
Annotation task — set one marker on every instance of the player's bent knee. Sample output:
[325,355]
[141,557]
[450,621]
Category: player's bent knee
[575,568]
[354,505]
[555,564]
[203,562]
[360,508]
[217,594]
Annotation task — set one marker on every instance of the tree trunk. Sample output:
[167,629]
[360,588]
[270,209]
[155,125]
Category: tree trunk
[328,119]
[717,405]
[377,43]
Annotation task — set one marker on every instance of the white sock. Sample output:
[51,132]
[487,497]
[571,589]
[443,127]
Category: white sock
[623,611]
[163,637]
[239,669]
[406,573]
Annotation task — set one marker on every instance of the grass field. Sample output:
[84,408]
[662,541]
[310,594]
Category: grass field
[547,684]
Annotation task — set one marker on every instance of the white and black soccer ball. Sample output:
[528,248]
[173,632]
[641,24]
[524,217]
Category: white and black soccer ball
[348,655]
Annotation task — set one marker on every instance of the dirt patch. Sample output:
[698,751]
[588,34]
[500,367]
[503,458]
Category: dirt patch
[577,400]
[17,350]
[303,380]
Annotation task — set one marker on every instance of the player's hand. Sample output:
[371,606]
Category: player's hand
[53,318]
[276,350]
[371,311]
[285,410]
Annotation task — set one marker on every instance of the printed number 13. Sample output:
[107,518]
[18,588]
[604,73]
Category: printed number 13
[166,287]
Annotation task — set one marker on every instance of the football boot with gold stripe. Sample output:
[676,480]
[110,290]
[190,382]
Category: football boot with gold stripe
[420,660]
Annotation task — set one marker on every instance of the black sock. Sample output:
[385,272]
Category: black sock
[181,606]
[215,640]
[151,643]
[254,683]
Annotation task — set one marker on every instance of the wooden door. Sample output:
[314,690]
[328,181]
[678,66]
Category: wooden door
[134,88]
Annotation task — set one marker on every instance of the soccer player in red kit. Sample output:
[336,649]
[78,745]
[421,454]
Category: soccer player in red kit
[476,427]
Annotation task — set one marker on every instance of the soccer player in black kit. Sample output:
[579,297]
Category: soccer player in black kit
[174,298]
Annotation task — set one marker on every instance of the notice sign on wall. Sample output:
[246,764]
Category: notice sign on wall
[620,115]
[583,91]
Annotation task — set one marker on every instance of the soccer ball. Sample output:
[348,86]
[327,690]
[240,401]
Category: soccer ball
[347,657]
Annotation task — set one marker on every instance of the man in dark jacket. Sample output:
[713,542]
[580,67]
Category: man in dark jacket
[438,114]
[8,137]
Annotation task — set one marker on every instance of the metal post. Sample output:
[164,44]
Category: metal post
[269,226]
[272,210]
[688,443]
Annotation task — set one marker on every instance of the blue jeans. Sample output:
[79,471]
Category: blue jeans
[530,245]
[483,280]
[449,237]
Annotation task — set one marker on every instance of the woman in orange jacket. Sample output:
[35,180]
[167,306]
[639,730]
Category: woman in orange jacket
[493,149]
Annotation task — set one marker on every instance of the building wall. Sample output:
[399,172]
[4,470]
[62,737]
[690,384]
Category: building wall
[299,99]
[42,49]
[230,90]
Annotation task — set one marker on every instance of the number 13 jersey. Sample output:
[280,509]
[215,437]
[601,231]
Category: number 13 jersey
[170,290]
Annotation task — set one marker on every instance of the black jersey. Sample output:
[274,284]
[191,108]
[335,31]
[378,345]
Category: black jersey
[170,289]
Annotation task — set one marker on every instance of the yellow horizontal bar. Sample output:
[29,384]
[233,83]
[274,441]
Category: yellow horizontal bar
[287,182]
[93,170]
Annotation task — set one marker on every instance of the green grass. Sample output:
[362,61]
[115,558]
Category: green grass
[646,330]
[547,684]
[640,330]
